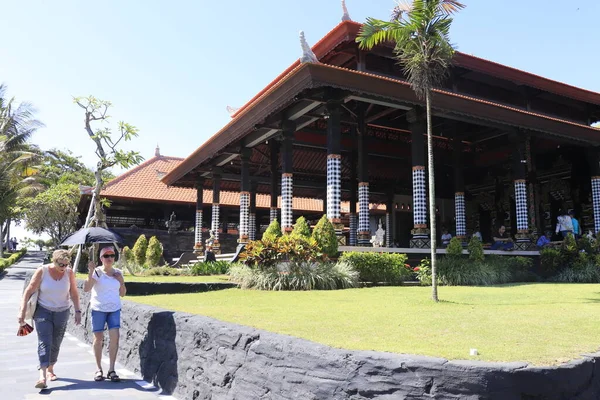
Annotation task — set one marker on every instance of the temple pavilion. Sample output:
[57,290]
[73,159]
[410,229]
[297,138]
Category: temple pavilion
[342,124]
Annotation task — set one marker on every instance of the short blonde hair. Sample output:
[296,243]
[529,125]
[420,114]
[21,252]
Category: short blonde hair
[60,255]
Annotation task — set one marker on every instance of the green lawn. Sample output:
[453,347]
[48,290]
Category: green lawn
[159,278]
[544,324]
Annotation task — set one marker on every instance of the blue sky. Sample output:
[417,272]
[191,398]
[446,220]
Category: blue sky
[172,67]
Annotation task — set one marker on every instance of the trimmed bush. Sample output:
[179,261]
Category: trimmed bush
[263,254]
[10,260]
[454,248]
[164,271]
[378,267]
[273,231]
[475,248]
[154,252]
[324,236]
[219,267]
[139,250]
[301,229]
[296,276]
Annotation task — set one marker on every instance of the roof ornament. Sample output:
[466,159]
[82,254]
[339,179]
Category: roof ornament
[157,151]
[307,54]
[346,16]
[232,110]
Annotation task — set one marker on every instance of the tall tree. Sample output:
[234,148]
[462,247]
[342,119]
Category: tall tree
[420,31]
[107,150]
[17,125]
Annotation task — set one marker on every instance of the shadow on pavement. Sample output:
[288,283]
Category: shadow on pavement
[78,384]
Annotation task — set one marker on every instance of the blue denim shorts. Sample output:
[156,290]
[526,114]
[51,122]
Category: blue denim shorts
[100,319]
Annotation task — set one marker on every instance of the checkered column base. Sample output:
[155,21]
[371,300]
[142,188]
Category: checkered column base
[364,239]
[198,248]
[420,242]
[464,240]
[243,239]
[525,245]
[216,247]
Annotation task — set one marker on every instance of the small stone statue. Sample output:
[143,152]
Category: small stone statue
[172,224]
[307,54]
[211,238]
[379,237]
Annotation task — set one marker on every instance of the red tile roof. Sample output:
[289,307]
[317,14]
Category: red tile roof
[143,183]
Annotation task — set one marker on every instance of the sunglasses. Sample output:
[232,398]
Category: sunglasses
[63,265]
[108,256]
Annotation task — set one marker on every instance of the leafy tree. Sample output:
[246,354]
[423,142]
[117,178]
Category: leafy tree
[421,33]
[108,151]
[273,231]
[59,166]
[324,235]
[301,229]
[54,212]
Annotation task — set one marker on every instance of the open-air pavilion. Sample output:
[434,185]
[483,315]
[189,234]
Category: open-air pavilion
[510,148]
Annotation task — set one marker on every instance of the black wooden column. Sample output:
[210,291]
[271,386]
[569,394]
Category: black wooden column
[216,178]
[420,233]
[389,209]
[287,176]
[519,169]
[198,245]
[353,218]
[334,166]
[364,229]
[593,155]
[275,178]
[245,155]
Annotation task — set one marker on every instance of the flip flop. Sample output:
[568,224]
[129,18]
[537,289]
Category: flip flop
[52,376]
[41,384]
[98,376]
[112,375]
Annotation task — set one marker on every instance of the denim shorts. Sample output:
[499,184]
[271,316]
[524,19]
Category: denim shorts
[101,318]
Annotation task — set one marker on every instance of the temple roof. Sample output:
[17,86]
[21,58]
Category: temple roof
[143,183]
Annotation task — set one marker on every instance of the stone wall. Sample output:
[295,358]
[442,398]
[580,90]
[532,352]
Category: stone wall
[195,357]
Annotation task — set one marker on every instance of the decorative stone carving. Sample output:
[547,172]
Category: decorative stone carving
[346,15]
[379,238]
[172,224]
[307,54]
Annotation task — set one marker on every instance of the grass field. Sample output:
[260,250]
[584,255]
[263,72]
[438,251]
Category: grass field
[544,324]
[160,278]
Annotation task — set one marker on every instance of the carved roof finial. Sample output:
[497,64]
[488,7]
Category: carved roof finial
[157,151]
[307,54]
[346,15]
[232,110]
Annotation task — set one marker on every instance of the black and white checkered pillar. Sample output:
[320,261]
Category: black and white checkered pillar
[596,202]
[244,216]
[353,221]
[272,214]
[460,214]
[214,226]
[334,188]
[419,197]
[216,211]
[364,229]
[198,245]
[252,226]
[388,229]
[521,205]
[287,223]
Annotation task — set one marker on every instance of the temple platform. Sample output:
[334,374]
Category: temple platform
[408,250]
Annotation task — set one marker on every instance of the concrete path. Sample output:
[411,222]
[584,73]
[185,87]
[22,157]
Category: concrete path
[75,367]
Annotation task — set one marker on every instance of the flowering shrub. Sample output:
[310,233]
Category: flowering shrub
[423,272]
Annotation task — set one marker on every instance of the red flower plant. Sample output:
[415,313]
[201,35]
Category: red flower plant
[417,269]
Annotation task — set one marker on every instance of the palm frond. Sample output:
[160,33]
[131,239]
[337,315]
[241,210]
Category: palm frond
[375,31]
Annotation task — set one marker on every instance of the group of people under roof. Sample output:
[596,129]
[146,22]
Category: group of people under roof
[566,224]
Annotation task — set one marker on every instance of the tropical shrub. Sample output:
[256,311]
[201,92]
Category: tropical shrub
[325,237]
[378,267]
[475,248]
[10,260]
[423,272]
[218,267]
[301,229]
[588,272]
[550,261]
[139,250]
[296,276]
[164,271]
[154,252]
[454,248]
[264,254]
[273,231]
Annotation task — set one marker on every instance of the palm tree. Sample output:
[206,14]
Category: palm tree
[420,31]
[17,125]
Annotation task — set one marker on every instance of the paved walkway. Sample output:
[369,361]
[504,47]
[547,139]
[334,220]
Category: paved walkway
[75,367]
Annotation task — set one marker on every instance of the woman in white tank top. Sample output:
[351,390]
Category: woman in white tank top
[55,283]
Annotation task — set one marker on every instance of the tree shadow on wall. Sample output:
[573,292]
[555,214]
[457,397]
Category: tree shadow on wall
[158,352]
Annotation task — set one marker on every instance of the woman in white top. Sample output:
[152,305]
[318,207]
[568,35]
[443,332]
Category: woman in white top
[55,283]
[107,285]
[564,224]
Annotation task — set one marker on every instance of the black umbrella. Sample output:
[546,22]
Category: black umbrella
[92,235]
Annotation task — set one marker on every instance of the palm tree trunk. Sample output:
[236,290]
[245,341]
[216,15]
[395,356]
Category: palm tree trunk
[1,239]
[430,170]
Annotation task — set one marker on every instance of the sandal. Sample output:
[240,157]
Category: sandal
[98,376]
[112,375]
[41,384]
[52,376]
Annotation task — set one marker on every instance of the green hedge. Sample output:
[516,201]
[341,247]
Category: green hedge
[13,258]
[219,267]
[379,267]
[493,270]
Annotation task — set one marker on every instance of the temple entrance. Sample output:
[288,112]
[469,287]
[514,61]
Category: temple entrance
[404,223]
